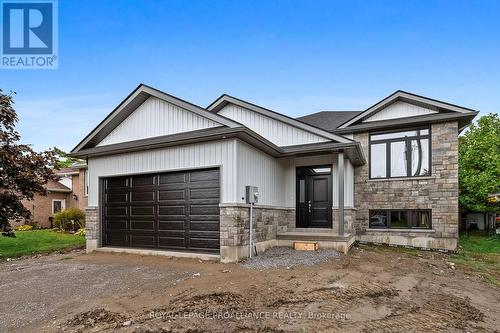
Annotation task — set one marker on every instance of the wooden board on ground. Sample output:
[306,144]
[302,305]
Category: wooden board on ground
[305,246]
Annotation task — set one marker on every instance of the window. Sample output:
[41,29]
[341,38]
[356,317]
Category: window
[400,154]
[400,219]
[58,205]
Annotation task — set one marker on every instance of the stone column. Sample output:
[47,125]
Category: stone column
[92,228]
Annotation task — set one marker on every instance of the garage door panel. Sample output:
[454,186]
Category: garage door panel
[138,240]
[172,234]
[177,210]
[172,242]
[117,211]
[204,234]
[204,175]
[171,225]
[172,210]
[116,238]
[204,243]
[172,178]
[142,225]
[142,196]
[204,210]
[172,195]
[202,185]
[117,198]
[117,182]
[204,226]
[142,180]
[117,224]
[142,210]
[204,193]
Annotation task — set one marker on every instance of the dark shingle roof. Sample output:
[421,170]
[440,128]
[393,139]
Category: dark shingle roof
[328,120]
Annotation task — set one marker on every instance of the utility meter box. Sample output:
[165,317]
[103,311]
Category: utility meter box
[251,194]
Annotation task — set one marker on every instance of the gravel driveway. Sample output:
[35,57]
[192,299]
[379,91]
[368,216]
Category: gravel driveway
[43,287]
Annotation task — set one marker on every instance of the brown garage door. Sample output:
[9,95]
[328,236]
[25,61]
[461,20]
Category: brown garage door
[174,211]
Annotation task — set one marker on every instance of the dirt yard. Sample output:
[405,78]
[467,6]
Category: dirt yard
[373,289]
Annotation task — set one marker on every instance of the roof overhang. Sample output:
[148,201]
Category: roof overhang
[463,119]
[59,190]
[407,97]
[132,102]
[224,100]
[352,149]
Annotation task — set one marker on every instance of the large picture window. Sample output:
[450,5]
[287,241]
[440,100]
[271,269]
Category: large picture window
[400,219]
[400,154]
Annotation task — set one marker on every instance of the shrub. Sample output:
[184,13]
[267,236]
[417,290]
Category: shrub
[80,232]
[70,219]
[24,227]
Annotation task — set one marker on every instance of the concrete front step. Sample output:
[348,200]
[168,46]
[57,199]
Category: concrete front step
[312,236]
[326,240]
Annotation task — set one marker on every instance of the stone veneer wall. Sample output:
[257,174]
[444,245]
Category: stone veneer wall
[349,220]
[234,228]
[438,192]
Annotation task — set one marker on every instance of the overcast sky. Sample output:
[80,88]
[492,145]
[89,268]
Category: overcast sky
[296,57]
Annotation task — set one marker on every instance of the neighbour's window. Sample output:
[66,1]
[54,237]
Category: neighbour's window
[400,219]
[400,154]
[57,205]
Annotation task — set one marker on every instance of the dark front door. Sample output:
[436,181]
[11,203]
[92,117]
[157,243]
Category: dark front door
[314,197]
[174,211]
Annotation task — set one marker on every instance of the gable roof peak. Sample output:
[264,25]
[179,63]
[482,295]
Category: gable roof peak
[407,97]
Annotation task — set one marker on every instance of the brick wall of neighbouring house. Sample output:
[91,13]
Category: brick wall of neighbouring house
[78,187]
[439,192]
[41,208]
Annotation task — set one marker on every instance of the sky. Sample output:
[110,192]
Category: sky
[294,57]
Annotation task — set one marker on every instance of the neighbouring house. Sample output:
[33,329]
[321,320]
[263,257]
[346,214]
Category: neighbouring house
[165,174]
[69,191]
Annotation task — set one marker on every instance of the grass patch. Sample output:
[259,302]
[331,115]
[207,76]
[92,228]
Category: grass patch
[480,254]
[37,241]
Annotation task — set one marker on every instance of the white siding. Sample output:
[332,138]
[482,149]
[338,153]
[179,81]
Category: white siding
[277,132]
[212,154]
[153,118]
[400,110]
[256,168]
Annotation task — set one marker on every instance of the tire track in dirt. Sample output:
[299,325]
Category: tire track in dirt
[440,314]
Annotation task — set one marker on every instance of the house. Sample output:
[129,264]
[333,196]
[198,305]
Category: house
[165,174]
[69,191]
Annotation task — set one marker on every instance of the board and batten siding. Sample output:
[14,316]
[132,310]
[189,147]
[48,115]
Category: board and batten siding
[279,133]
[400,110]
[203,155]
[256,168]
[156,117]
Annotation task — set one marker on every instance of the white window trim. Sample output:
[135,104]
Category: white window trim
[86,183]
[63,204]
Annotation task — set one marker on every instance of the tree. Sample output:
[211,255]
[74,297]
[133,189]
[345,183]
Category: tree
[66,161]
[23,172]
[479,165]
